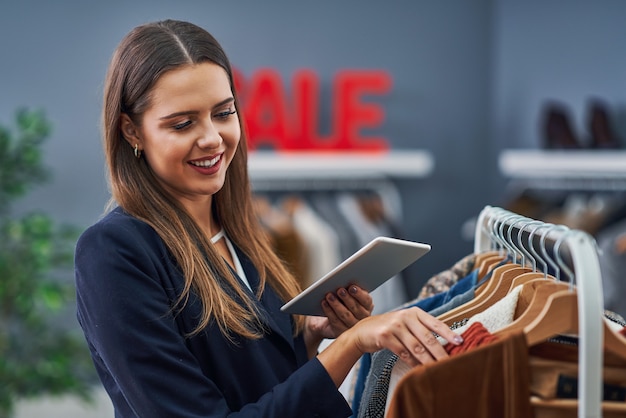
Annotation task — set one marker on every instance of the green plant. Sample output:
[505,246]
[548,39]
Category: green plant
[39,352]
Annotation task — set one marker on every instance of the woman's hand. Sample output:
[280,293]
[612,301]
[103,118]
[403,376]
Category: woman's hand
[343,309]
[409,333]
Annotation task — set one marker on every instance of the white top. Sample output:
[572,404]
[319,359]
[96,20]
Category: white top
[242,274]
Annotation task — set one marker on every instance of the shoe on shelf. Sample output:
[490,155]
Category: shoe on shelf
[601,132]
[557,128]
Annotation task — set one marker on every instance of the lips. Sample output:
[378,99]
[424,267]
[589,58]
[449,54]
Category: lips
[206,163]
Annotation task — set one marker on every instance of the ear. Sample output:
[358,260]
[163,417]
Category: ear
[130,131]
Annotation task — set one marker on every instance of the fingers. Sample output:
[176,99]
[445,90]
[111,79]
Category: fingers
[439,327]
[411,340]
[334,321]
[348,306]
[409,333]
[357,301]
[420,341]
[362,297]
[339,316]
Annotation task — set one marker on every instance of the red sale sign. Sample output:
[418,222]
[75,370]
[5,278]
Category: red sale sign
[290,122]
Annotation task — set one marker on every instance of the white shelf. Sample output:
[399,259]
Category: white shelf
[269,165]
[569,164]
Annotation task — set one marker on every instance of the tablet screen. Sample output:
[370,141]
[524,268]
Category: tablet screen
[372,265]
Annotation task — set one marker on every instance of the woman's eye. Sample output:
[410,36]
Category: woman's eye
[226,114]
[180,126]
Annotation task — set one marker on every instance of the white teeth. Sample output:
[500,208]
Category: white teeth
[206,163]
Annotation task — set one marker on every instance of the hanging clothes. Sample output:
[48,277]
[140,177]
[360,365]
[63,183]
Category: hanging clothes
[392,293]
[550,367]
[485,382]
[612,244]
[361,389]
[383,382]
[442,281]
[320,241]
[284,237]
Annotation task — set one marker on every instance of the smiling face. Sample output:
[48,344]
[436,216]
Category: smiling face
[189,133]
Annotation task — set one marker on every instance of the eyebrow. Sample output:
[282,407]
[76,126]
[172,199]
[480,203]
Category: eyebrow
[193,112]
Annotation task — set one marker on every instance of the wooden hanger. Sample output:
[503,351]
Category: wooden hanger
[533,275]
[497,287]
[560,316]
[536,302]
[526,296]
[487,263]
[532,300]
[533,256]
[499,284]
[481,256]
[490,264]
[553,310]
[527,277]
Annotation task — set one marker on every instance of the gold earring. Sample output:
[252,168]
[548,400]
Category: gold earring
[137,152]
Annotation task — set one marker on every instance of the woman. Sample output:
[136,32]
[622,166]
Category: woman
[178,290]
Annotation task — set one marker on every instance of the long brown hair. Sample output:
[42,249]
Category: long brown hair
[144,55]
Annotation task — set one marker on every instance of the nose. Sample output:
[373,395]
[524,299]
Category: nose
[210,136]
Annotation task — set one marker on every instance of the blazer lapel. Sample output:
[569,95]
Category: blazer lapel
[269,304]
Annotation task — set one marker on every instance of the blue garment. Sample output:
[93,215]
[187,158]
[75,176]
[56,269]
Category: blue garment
[127,282]
[461,286]
[456,301]
[365,365]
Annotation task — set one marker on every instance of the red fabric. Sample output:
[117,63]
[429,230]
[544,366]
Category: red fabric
[475,335]
[623,331]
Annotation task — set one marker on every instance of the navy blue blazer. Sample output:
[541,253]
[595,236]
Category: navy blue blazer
[127,282]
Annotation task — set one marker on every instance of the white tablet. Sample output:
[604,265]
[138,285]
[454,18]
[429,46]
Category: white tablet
[375,263]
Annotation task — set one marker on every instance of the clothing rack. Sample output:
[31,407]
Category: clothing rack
[338,171]
[584,258]
[353,171]
[384,188]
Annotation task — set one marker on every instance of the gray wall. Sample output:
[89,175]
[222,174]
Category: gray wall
[570,51]
[468,78]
